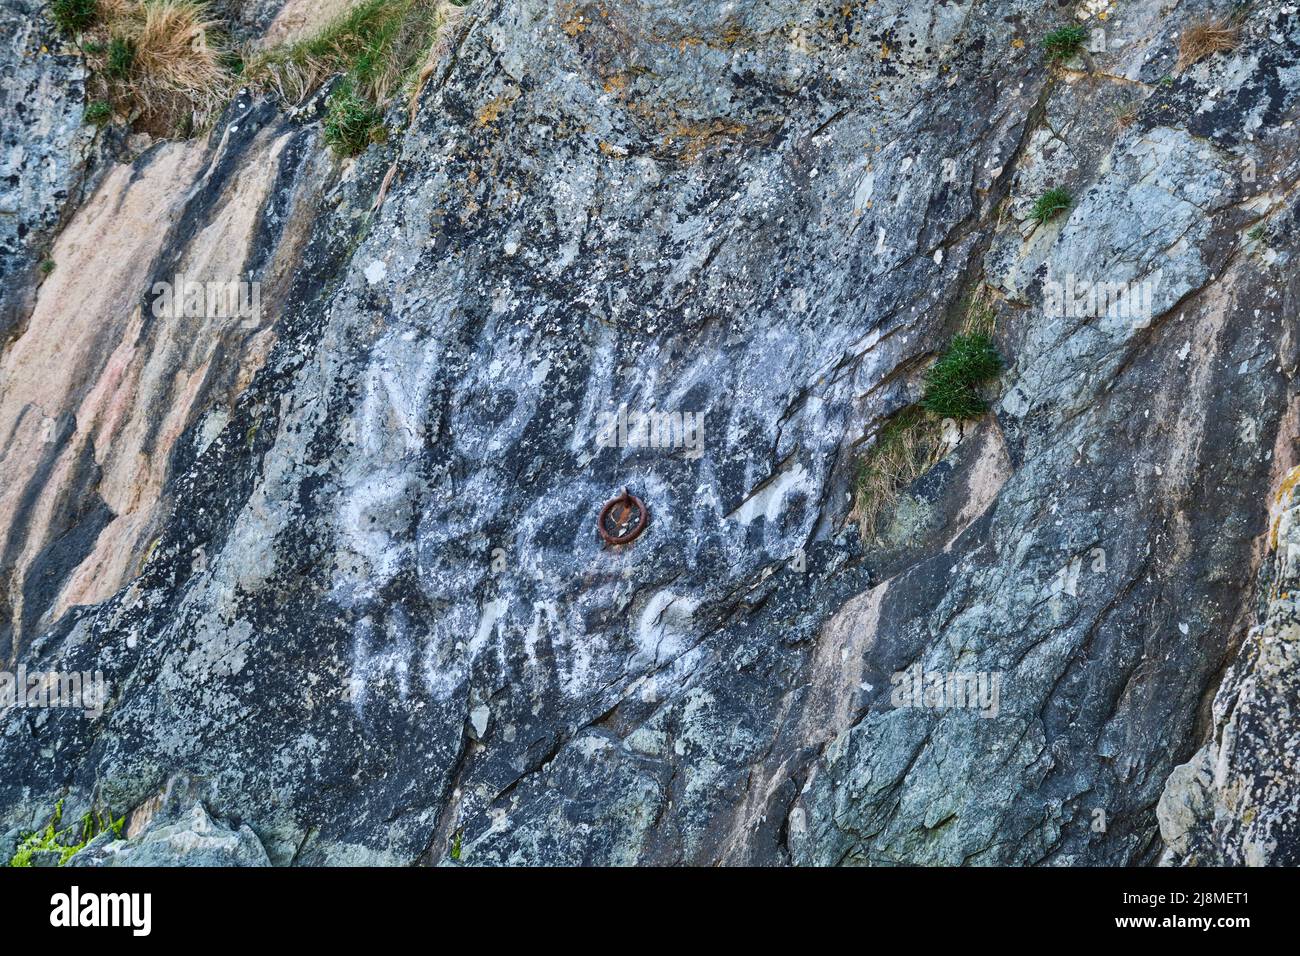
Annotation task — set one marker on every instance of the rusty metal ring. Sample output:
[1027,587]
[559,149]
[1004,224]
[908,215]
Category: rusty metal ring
[628,501]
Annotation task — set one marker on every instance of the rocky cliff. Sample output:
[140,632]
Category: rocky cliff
[338,559]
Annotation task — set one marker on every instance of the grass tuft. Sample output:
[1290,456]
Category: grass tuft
[1064,43]
[74,16]
[906,446]
[1125,113]
[160,62]
[1201,39]
[119,58]
[351,124]
[952,383]
[1050,204]
[168,68]
[377,44]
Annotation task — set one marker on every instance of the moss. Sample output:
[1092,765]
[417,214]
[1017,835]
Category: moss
[1050,204]
[952,383]
[52,839]
[352,123]
[47,266]
[455,843]
[1064,43]
[74,16]
[98,112]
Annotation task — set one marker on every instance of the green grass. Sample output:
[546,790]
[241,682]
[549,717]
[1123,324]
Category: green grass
[47,266]
[74,16]
[1064,43]
[952,383]
[1050,204]
[377,44]
[378,47]
[121,55]
[98,112]
[352,123]
[54,840]
[1258,234]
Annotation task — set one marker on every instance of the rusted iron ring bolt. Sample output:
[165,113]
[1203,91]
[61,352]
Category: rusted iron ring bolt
[625,503]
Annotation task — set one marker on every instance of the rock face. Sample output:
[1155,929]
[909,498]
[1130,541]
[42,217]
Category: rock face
[1234,802]
[43,150]
[342,567]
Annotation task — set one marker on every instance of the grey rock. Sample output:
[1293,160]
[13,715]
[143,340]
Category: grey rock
[44,148]
[193,840]
[405,641]
[1234,803]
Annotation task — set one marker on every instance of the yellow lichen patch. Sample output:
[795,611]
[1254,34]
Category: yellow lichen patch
[692,139]
[1018,43]
[490,112]
[731,35]
[1280,502]
[574,25]
[609,149]
[884,51]
[616,83]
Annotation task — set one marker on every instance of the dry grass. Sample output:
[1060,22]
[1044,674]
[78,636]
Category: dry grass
[166,67]
[1124,114]
[448,16]
[981,317]
[174,79]
[1214,35]
[905,448]
[911,442]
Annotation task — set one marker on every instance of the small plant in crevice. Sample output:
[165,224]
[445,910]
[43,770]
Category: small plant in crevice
[952,383]
[47,266]
[67,841]
[1050,205]
[1206,37]
[1063,43]
[119,57]
[98,112]
[1258,234]
[1125,113]
[913,440]
[351,123]
[74,16]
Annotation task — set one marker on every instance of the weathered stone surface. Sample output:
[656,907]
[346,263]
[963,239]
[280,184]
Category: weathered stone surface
[1234,803]
[43,150]
[379,623]
[192,840]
